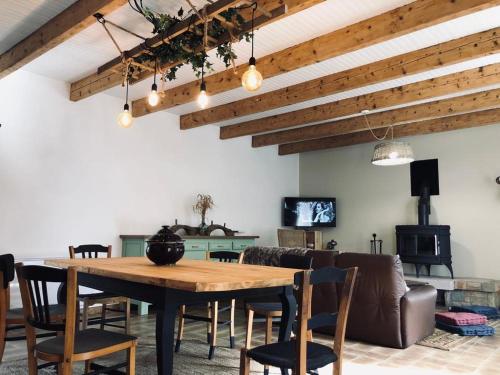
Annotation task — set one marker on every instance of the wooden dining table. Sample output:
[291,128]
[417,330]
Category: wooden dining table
[187,282]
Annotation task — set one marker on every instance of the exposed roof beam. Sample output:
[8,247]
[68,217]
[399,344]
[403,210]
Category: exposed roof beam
[462,121]
[108,76]
[447,53]
[60,28]
[178,29]
[446,107]
[431,88]
[397,22]
[218,82]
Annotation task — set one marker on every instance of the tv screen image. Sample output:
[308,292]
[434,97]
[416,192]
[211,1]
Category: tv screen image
[309,212]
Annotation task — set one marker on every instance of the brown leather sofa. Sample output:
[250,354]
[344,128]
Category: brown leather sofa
[383,311]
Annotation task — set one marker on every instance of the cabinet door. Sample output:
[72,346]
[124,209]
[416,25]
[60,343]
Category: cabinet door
[132,248]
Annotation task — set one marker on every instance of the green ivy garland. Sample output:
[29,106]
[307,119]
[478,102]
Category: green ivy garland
[188,47]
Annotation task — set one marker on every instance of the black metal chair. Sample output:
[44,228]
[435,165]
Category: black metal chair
[213,309]
[272,310]
[103,298]
[301,355]
[70,345]
[13,319]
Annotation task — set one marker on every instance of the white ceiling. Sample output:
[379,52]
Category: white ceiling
[83,53]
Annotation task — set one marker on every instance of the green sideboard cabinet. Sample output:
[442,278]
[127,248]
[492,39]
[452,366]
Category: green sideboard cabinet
[195,248]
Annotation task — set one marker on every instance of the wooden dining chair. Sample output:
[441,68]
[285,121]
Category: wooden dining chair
[13,319]
[67,347]
[302,355]
[272,310]
[103,298]
[213,309]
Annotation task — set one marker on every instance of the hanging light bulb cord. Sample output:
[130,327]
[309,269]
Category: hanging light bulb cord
[390,128]
[254,7]
[126,94]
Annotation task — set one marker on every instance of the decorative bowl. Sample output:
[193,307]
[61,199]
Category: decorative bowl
[165,247]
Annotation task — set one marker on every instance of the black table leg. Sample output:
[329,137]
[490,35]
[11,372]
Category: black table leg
[289,306]
[165,323]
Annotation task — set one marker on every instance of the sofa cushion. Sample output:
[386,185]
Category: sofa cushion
[269,256]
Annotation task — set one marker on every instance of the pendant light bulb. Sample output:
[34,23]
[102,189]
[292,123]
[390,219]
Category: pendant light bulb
[203,97]
[153,97]
[252,79]
[125,118]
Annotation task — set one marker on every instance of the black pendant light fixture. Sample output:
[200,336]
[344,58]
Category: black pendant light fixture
[125,118]
[153,97]
[202,96]
[252,79]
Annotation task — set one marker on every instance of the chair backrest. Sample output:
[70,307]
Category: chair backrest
[292,238]
[33,286]
[305,281]
[224,256]
[89,251]
[302,262]
[7,269]
[33,282]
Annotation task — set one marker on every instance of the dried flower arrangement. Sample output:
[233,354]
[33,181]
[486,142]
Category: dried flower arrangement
[202,205]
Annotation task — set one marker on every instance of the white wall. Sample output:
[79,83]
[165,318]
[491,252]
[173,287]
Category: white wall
[70,175]
[374,199]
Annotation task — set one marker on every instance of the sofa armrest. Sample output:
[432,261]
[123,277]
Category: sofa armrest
[418,307]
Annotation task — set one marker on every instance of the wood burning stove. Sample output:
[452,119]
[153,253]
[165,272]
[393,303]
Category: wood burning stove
[424,244]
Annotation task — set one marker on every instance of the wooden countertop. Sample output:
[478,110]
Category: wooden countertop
[145,236]
[189,275]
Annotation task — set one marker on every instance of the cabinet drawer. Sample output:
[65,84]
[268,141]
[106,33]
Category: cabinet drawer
[196,245]
[242,244]
[196,254]
[220,245]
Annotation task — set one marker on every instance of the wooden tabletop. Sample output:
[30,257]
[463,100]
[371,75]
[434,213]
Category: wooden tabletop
[189,275]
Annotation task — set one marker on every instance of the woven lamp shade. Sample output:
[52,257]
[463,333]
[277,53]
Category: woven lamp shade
[392,153]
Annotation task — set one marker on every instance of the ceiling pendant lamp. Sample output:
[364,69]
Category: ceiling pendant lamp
[389,153]
[252,79]
[125,118]
[153,97]
[392,153]
[202,96]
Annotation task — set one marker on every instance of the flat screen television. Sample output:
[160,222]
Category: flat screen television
[309,212]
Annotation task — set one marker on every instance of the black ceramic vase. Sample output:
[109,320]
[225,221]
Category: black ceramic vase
[165,247]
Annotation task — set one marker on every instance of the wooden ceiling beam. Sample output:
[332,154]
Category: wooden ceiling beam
[69,22]
[178,29]
[397,22]
[446,107]
[217,83]
[431,88]
[107,76]
[443,54]
[456,122]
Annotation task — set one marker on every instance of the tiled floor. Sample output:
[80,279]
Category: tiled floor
[477,356]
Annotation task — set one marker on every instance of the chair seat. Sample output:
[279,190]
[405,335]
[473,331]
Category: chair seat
[283,355]
[56,310]
[86,341]
[266,308]
[98,295]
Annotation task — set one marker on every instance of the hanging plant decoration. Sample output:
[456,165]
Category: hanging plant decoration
[190,47]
